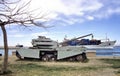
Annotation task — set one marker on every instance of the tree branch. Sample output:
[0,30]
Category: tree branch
[7,2]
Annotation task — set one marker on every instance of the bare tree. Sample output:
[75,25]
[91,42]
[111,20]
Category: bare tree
[13,13]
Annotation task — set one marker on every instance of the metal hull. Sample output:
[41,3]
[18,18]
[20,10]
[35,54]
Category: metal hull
[58,53]
[97,47]
[103,45]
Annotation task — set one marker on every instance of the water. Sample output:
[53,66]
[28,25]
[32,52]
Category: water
[112,52]
[10,51]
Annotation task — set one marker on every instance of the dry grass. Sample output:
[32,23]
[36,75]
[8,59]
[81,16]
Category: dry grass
[95,67]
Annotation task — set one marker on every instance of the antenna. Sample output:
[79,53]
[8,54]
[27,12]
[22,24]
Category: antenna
[92,36]
[106,35]
[107,39]
[65,38]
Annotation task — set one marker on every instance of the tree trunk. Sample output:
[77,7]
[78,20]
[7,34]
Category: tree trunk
[5,62]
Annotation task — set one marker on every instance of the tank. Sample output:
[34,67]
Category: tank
[46,49]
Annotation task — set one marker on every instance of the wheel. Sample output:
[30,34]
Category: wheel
[52,59]
[84,57]
[71,59]
[79,58]
[45,58]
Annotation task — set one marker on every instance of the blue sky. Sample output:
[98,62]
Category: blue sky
[73,18]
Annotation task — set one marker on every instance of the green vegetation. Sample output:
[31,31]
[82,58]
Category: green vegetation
[115,63]
[95,67]
[29,67]
[33,69]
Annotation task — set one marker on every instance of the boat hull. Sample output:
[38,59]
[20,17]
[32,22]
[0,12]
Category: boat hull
[103,45]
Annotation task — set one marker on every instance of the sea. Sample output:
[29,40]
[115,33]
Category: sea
[107,52]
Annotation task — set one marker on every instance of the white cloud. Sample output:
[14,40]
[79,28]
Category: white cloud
[13,31]
[39,34]
[112,11]
[17,35]
[90,17]
[66,7]
[68,10]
